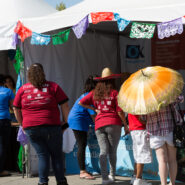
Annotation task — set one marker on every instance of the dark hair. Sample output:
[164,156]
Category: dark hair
[36,75]
[103,89]
[89,84]
[10,77]
[2,80]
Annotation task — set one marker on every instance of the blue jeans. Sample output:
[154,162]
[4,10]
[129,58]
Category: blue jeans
[5,130]
[47,142]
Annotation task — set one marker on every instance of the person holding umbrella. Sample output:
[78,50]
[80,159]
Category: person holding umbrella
[160,126]
[141,148]
[108,122]
[151,92]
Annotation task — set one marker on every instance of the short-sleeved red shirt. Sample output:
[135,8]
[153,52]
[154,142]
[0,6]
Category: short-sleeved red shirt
[134,123]
[108,109]
[40,106]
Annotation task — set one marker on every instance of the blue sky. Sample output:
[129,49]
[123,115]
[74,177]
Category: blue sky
[68,3]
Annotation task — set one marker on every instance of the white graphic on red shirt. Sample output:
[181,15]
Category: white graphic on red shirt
[35,90]
[108,102]
[44,89]
[105,108]
[27,91]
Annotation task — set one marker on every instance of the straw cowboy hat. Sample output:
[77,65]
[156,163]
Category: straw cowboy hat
[107,74]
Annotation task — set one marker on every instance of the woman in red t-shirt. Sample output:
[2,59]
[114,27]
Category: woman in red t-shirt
[36,107]
[108,121]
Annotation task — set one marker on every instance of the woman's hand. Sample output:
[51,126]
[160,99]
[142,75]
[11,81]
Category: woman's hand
[97,111]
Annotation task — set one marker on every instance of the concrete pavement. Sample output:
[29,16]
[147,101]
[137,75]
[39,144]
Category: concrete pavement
[16,179]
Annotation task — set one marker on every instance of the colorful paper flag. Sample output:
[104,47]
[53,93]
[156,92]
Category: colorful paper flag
[18,83]
[19,60]
[22,31]
[170,28]
[40,39]
[14,40]
[80,28]
[122,23]
[21,137]
[142,30]
[101,16]
[61,37]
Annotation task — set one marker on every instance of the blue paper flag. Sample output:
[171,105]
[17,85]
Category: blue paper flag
[19,82]
[40,39]
[122,23]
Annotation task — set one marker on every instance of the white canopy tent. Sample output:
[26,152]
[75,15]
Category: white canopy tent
[13,10]
[144,10]
[40,17]
[102,46]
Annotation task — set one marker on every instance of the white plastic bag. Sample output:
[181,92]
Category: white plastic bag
[68,140]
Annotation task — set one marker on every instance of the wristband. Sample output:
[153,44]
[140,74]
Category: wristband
[64,126]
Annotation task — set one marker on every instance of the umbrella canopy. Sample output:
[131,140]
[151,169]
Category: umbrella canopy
[149,89]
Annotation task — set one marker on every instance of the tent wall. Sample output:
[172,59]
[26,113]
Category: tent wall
[6,66]
[71,63]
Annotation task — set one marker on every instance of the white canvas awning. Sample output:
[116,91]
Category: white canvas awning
[13,10]
[143,10]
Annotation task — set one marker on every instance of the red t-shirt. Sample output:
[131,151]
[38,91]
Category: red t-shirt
[108,109]
[40,106]
[134,123]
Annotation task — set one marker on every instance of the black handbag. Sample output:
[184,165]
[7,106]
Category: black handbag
[179,130]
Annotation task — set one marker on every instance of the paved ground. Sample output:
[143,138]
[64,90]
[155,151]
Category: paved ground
[17,179]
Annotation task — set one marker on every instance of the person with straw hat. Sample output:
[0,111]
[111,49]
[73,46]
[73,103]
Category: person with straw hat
[108,121]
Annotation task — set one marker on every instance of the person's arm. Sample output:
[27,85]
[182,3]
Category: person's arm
[89,107]
[93,117]
[11,105]
[122,117]
[18,115]
[65,111]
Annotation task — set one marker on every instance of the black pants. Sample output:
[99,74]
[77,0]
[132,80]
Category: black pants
[81,138]
[5,130]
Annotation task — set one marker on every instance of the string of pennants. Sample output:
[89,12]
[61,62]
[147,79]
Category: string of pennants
[138,30]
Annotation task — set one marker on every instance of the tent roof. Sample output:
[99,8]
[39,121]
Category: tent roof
[134,10]
[13,10]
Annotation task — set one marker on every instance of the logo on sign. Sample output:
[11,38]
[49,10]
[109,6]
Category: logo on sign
[134,51]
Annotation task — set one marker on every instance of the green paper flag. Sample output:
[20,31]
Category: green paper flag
[142,30]
[61,37]
[19,60]
[19,160]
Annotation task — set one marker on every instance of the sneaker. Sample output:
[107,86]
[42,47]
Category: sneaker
[112,177]
[109,181]
[132,179]
[141,182]
[63,182]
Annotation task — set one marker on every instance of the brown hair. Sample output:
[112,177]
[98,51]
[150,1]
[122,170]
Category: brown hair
[36,75]
[89,84]
[103,89]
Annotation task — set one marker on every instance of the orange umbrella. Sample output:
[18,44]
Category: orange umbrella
[149,89]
